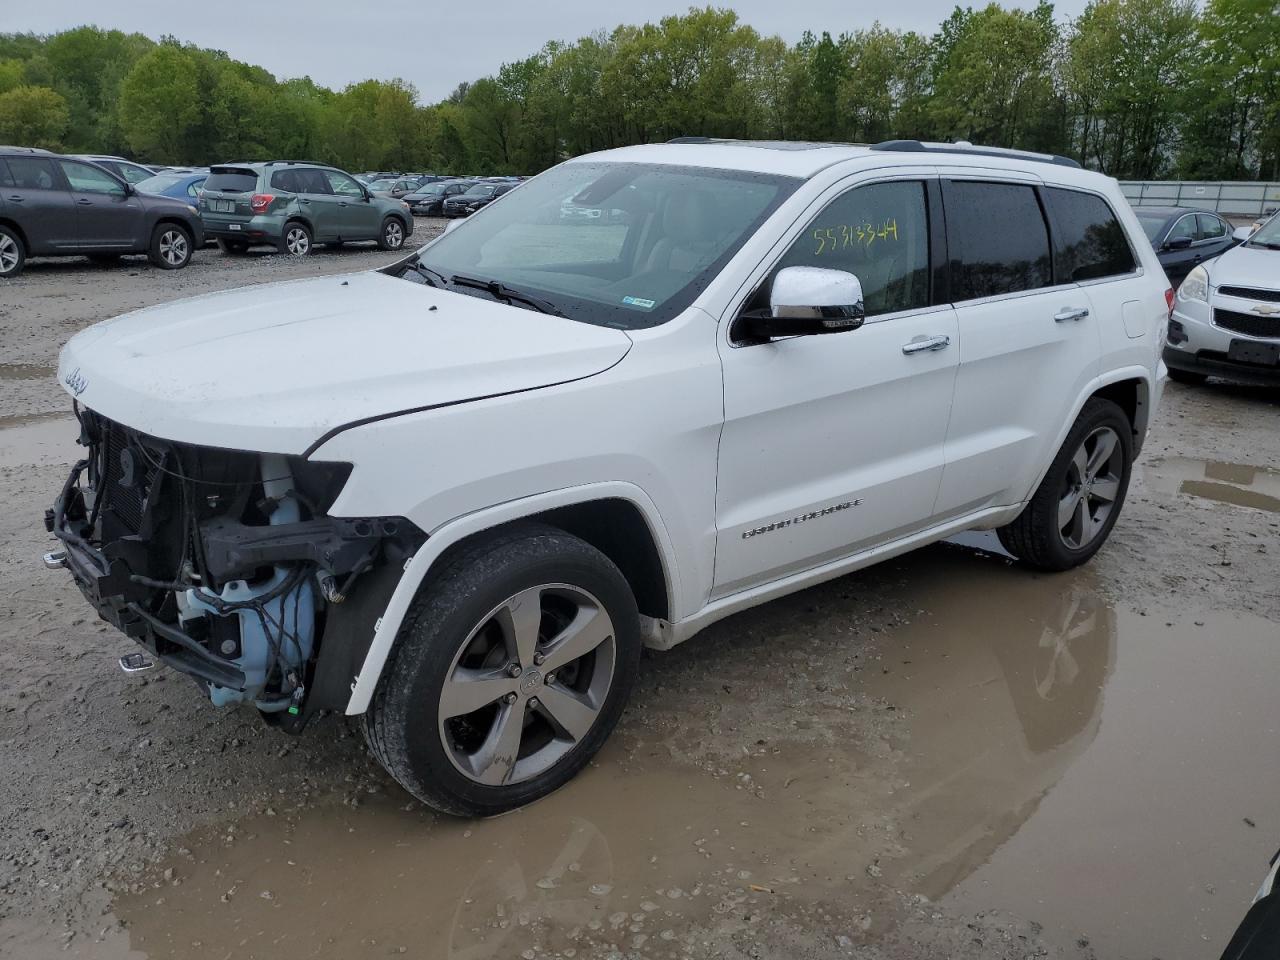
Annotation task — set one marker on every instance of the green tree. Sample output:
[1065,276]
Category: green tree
[160,108]
[33,117]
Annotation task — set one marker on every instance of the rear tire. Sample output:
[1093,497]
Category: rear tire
[470,750]
[1076,505]
[13,253]
[296,240]
[1188,377]
[392,234]
[170,247]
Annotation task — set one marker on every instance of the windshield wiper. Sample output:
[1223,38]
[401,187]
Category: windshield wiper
[432,278]
[500,291]
[1268,244]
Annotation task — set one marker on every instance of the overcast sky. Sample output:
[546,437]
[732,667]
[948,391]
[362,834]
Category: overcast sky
[436,45]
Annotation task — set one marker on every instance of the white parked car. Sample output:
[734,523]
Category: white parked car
[1226,317]
[456,496]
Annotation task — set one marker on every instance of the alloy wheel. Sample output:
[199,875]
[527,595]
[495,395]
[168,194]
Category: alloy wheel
[1092,486]
[393,234]
[174,248]
[297,242]
[527,684]
[8,253]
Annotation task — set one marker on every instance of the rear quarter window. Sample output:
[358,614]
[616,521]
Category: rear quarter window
[232,181]
[1088,241]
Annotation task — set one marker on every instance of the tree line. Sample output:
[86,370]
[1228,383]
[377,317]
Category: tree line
[1137,88]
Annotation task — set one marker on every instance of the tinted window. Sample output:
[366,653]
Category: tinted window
[997,238]
[879,233]
[1211,228]
[232,181]
[86,178]
[1088,241]
[32,173]
[6,179]
[193,188]
[311,180]
[285,180]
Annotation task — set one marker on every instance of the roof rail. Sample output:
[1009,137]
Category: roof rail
[968,149]
[312,163]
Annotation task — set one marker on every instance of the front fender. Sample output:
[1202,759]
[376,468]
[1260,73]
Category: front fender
[418,567]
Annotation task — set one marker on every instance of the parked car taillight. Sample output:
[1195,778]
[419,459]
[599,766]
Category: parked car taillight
[1168,299]
[260,202]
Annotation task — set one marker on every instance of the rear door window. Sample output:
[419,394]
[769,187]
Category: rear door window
[33,173]
[1088,241]
[311,180]
[286,180]
[1211,227]
[232,181]
[997,238]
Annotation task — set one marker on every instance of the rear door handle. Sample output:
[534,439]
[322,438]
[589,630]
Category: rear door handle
[300,200]
[1071,313]
[17,199]
[927,344]
[84,203]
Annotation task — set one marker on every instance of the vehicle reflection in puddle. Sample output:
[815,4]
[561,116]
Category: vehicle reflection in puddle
[35,439]
[1236,483]
[988,701]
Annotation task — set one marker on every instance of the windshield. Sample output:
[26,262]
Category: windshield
[630,247]
[430,189]
[159,184]
[1151,224]
[481,190]
[381,184]
[1268,235]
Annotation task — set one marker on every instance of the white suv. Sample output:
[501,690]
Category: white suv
[456,496]
[1226,320]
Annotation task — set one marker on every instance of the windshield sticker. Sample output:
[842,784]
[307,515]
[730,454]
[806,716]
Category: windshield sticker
[639,302]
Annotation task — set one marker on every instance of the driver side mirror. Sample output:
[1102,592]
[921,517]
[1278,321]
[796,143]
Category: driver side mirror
[806,301]
[451,226]
[1177,243]
[1241,234]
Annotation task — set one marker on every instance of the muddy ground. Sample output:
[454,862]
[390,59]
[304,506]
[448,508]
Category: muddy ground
[944,756]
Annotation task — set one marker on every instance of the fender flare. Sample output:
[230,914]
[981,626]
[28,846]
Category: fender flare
[418,567]
[1118,375]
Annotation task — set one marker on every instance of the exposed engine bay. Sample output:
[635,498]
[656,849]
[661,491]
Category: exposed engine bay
[225,565]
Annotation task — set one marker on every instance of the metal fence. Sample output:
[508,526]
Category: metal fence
[1240,198]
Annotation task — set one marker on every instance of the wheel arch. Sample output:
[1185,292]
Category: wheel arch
[21,234]
[618,519]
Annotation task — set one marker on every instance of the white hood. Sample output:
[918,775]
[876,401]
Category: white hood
[275,367]
[1246,267]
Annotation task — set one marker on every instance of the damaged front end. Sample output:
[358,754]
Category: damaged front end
[225,565]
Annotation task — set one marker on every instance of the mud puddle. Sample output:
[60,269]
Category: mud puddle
[36,439]
[1020,745]
[1241,484]
[26,371]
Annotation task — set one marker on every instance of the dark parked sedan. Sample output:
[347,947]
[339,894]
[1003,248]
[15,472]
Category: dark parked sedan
[54,206]
[429,201]
[1184,237]
[480,195]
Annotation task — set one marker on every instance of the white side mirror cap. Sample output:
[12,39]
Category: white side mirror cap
[1242,233]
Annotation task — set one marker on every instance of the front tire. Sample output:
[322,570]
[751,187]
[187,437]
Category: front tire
[1076,505]
[170,247]
[392,234]
[511,669]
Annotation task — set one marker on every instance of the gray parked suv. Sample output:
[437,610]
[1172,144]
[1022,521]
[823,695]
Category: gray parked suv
[293,205]
[55,206]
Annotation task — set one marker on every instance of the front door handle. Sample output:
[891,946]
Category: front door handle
[84,203]
[926,344]
[16,199]
[1071,313]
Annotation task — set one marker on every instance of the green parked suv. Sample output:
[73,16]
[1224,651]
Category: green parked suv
[293,205]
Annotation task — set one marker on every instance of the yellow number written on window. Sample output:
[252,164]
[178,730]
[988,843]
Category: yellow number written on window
[841,236]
